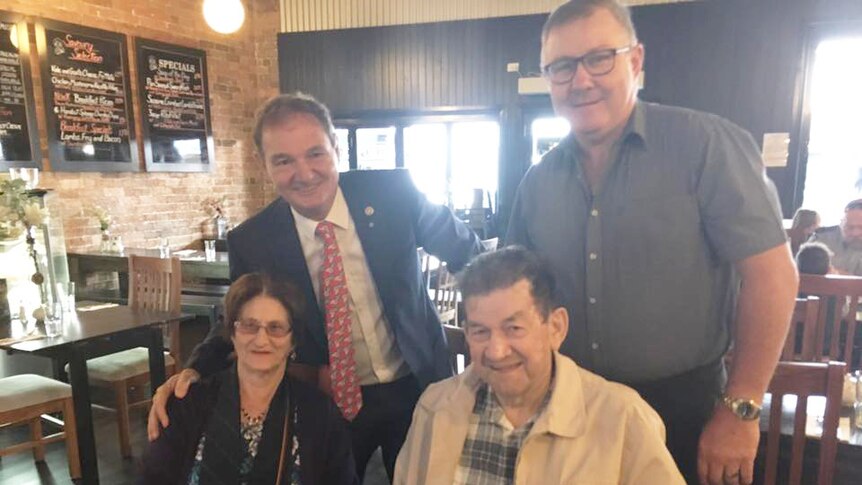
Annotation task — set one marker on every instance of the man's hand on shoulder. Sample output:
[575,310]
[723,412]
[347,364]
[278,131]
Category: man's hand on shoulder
[728,446]
[178,385]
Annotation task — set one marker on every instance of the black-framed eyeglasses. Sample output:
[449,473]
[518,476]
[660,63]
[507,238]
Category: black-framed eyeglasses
[596,63]
[251,326]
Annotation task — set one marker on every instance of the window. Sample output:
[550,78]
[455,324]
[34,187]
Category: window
[425,153]
[547,132]
[452,159]
[375,148]
[342,136]
[475,155]
[834,170]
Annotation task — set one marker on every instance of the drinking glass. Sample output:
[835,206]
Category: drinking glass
[210,250]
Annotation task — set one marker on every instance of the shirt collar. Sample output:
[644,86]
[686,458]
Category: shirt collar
[565,413]
[339,216]
[634,129]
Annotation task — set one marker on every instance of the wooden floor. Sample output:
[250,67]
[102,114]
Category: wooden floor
[19,469]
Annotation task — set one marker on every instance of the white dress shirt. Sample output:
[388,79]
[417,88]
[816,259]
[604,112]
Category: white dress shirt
[378,359]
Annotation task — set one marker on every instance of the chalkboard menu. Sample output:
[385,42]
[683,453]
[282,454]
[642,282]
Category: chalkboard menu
[172,83]
[85,75]
[19,137]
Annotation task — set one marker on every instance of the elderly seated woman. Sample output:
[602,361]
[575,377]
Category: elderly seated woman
[252,423]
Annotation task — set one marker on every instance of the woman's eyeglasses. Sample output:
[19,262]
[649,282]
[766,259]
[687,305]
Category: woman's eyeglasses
[251,326]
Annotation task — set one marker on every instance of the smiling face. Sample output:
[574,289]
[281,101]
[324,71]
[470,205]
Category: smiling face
[511,344]
[261,352]
[301,162]
[596,107]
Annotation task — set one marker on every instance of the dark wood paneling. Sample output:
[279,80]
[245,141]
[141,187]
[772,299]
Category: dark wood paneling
[411,67]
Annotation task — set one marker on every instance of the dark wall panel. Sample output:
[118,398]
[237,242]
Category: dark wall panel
[422,66]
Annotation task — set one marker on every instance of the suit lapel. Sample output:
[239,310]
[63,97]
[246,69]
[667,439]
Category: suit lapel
[285,253]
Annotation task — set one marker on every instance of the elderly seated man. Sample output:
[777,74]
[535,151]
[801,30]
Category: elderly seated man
[522,413]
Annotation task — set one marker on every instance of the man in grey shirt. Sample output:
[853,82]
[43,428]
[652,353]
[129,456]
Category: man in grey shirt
[845,240]
[652,216]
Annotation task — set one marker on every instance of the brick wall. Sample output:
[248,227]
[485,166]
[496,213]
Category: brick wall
[242,72]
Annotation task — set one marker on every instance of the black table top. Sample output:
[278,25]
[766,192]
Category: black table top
[87,325]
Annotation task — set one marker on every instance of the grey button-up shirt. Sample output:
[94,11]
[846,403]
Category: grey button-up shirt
[844,257]
[644,262]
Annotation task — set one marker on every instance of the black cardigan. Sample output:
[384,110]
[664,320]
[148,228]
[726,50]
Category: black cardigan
[324,442]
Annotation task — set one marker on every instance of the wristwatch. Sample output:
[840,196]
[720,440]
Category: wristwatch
[744,409]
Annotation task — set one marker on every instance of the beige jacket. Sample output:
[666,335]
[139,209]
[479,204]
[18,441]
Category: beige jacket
[592,432]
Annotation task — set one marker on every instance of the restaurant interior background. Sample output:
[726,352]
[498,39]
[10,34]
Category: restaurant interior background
[428,88]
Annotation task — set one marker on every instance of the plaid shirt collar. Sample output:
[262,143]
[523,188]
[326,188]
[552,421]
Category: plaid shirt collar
[492,444]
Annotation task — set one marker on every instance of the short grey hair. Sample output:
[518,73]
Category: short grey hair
[578,9]
[284,106]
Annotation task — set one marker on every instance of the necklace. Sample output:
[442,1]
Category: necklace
[250,419]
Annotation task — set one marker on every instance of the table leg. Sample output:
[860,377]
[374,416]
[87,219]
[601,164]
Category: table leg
[83,418]
[58,367]
[157,358]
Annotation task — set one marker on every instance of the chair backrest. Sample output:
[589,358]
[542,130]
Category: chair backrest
[802,338]
[456,341]
[804,379]
[155,283]
[836,317]
[446,296]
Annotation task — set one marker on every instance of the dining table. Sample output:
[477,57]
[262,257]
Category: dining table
[92,331]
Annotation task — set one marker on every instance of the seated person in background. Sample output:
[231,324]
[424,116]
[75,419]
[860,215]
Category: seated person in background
[814,258]
[522,412]
[251,423]
[805,222]
[845,240]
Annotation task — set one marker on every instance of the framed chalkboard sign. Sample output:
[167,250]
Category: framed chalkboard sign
[19,136]
[85,77]
[176,130]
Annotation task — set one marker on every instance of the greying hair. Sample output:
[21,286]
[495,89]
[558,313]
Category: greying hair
[284,106]
[503,268]
[578,9]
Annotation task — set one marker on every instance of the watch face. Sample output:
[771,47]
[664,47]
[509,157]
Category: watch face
[747,410]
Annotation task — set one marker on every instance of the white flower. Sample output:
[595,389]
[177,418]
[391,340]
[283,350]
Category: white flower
[34,215]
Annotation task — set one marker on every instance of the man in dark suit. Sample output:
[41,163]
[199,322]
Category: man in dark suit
[349,242]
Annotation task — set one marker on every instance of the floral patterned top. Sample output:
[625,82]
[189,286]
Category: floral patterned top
[251,429]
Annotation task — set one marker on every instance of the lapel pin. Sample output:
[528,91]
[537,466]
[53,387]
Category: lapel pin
[369,211]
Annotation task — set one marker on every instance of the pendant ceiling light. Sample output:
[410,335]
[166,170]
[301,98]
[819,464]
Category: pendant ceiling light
[224,16]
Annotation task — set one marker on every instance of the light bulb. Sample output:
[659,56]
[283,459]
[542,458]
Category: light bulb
[13,35]
[224,16]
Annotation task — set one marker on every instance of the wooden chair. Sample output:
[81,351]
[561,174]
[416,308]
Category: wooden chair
[154,284]
[446,295]
[804,379]
[801,339]
[25,398]
[456,341]
[836,330]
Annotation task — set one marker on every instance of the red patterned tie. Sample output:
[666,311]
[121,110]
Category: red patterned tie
[345,386]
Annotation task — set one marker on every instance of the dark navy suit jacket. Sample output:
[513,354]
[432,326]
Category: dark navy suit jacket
[392,220]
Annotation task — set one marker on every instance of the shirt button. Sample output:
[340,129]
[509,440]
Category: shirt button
[595,346]
[592,300]
[594,213]
[593,256]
